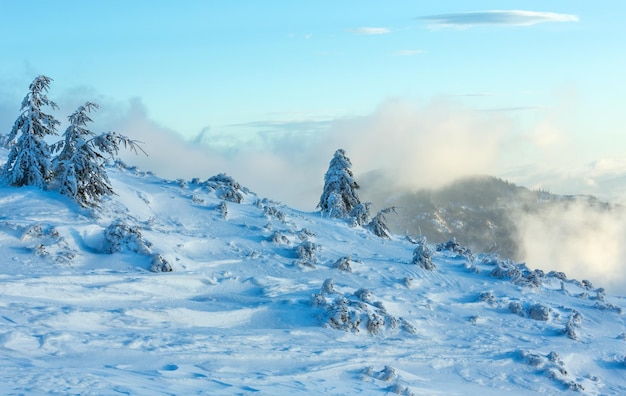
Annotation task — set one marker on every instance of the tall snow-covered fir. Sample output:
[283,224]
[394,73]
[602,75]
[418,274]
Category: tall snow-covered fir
[79,167]
[339,197]
[29,159]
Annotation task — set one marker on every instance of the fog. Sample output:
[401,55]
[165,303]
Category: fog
[421,145]
[585,243]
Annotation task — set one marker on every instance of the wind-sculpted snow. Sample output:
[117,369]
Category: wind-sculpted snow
[268,300]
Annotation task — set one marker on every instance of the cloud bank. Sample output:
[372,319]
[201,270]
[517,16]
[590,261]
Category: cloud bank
[464,20]
[583,243]
[419,144]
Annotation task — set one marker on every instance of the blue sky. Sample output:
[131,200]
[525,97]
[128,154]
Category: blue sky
[526,90]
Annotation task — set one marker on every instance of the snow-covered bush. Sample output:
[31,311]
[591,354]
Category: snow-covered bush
[378,224]
[339,197]
[119,237]
[388,374]
[587,284]
[422,255]
[306,254]
[47,242]
[557,274]
[487,297]
[575,321]
[343,264]
[222,208]
[305,234]
[532,279]
[279,238]
[506,270]
[375,323]
[272,211]
[360,214]
[604,306]
[516,308]
[538,312]
[160,264]
[328,287]
[29,161]
[453,246]
[364,295]
[226,188]
[351,311]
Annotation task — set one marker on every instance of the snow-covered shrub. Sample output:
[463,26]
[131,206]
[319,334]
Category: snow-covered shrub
[341,317]
[422,255]
[533,359]
[516,308]
[553,367]
[222,209]
[557,274]
[378,224]
[328,287]
[587,284]
[318,300]
[34,231]
[350,311]
[272,211]
[160,264]
[119,236]
[538,312]
[46,242]
[279,238]
[602,305]
[387,374]
[343,264]
[506,270]
[305,234]
[375,323]
[532,279]
[364,295]
[574,322]
[360,214]
[487,297]
[306,254]
[226,188]
[453,246]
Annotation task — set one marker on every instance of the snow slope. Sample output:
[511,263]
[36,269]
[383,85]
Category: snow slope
[259,302]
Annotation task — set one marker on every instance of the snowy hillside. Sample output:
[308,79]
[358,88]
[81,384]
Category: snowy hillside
[263,299]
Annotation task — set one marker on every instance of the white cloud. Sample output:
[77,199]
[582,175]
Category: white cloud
[466,20]
[370,30]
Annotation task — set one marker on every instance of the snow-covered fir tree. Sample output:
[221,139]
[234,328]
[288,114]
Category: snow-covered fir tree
[339,197]
[80,165]
[29,160]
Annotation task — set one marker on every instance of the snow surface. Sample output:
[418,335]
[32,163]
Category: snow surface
[244,313]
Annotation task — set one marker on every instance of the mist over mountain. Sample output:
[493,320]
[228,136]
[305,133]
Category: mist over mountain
[568,232]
